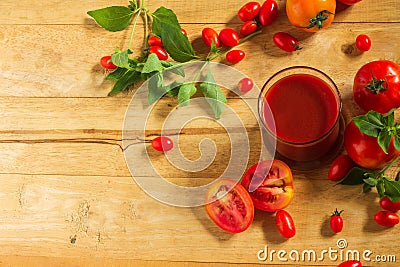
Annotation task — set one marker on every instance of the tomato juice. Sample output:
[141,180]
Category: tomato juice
[301,109]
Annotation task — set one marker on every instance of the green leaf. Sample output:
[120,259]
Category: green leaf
[370,124]
[392,189]
[215,97]
[371,181]
[132,5]
[186,91]
[152,64]
[156,88]
[174,87]
[366,188]
[163,16]
[116,74]
[126,80]
[389,118]
[384,139]
[113,18]
[121,59]
[355,176]
[397,141]
[380,187]
[173,67]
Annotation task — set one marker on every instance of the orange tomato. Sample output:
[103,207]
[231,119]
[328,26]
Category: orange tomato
[311,15]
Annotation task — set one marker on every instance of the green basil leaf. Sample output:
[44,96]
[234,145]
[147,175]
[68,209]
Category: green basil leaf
[133,5]
[176,43]
[397,141]
[186,91]
[121,59]
[173,67]
[215,97]
[355,176]
[174,88]
[366,188]
[371,181]
[389,118]
[370,124]
[392,189]
[113,18]
[126,80]
[152,64]
[384,139]
[163,16]
[116,74]
[156,88]
[380,187]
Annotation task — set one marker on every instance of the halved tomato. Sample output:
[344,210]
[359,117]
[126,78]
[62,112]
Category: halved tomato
[229,205]
[276,189]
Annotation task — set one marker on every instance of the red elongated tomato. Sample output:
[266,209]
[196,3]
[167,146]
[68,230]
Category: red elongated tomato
[235,56]
[349,2]
[208,36]
[286,42]
[232,211]
[386,218]
[249,11]
[285,224]
[340,168]
[389,205]
[350,263]
[363,42]
[159,51]
[336,221]
[229,37]
[162,143]
[245,85]
[107,63]
[248,28]
[155,41]
[268,12]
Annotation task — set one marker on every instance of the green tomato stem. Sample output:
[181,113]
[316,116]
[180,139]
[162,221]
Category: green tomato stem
[249,36]
[133,27]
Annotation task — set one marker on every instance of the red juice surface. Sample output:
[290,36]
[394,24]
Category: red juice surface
[304,108]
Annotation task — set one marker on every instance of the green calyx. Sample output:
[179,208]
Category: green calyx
[337,213]
[377,85]
[319,19]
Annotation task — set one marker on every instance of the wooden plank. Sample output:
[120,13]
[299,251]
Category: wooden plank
[110,217]
[51,70]
[74,11]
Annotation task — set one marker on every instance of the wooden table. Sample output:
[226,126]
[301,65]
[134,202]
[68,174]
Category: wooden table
[67,197]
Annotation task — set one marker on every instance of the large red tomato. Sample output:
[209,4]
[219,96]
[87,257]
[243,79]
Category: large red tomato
[311,15]
[377,86]
[232,210]
[276,189]
[364,150]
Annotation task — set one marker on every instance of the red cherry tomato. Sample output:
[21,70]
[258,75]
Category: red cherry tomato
[351,263]
[249,11]
[235,56]
[377,86]
[106,63]
[364,150]
[349,2]
[286,42]
[276,189]
[363,43]
[336,221]
[209,35]
[232,211]
[340,168]
[159,51]
[248,28]
[389,205]
[285,224]
[229,37]
[268,12]
[184,32]
[155,41]
[245,85]
[162,143]
[386,218]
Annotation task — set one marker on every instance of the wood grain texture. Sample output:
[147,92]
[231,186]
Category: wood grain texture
[67,197]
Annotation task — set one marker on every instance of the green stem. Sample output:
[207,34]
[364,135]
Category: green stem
[201,70]
[389,165]
[133,28]
[249,36]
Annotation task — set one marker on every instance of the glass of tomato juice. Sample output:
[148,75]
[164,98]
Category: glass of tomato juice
[300,107]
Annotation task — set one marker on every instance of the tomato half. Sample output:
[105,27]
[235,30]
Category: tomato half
[349,2]
[285,224]
[387,218]
[377,86]
[364,150]
[311,15]
[232,211]
[350,263]
[276,189]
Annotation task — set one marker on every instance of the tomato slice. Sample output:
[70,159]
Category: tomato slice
[276,190]
[232,210]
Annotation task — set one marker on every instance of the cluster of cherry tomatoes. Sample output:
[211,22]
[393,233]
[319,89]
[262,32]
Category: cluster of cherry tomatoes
[156,46]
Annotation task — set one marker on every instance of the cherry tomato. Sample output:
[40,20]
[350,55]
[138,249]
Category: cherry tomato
[285,224]
[340,168]
[386,218]
[377,86]
[155,41]
[286,42]
[209,35]
[276,189]
[268,12]
[336,221]
[364,150]
[106,63]
[351,263]
[249,11]
[363,43]
[159,51]
[389,205]
[184,32]
[229,37]
[232,211]
[235,56]
[162,143]
[311,16]
[248,28]
[245,85]
[349,2]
